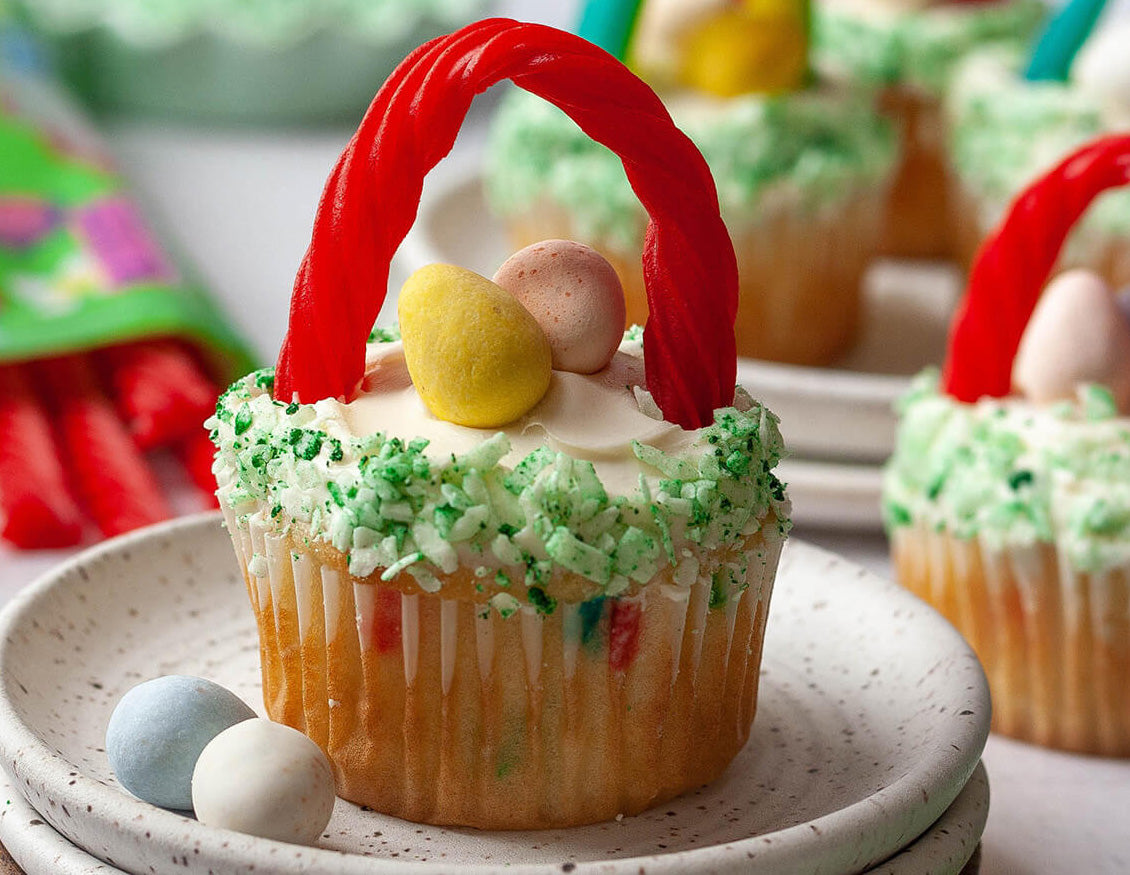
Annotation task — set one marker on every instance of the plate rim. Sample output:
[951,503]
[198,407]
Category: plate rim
[28,759]
[977,790]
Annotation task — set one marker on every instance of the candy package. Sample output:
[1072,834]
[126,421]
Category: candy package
[107,349]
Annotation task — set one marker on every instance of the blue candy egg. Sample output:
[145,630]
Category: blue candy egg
[158,730]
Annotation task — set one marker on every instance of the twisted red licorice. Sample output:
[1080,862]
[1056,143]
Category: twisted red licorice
[1014,264]
[370,202]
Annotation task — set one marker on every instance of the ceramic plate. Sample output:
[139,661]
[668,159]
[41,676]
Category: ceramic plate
[37,848]
[842,412]
[944,849]
[872,717]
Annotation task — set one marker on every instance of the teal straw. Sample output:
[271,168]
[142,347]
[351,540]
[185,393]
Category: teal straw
[609,24]
[1062,39]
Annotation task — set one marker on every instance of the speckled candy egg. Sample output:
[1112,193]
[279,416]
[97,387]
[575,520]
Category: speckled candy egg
[158,730]
[476,355]
[264,779]
[1077,334]
[575,295]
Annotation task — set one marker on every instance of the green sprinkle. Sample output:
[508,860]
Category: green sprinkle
[1020,478]
[525,472]
[505,604]
[308,445]
[386,334]
[243,419]
[292,408]
[541,600]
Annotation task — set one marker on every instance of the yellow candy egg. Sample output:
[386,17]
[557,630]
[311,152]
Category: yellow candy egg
[476,355]
[758,47]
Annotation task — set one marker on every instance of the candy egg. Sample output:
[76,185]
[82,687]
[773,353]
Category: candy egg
[476,355]
[158,729]
[1077,334]
[575,295]
[758,47]
[1103,64]
[264,779]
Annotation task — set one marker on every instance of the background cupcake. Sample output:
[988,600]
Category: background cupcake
[1005,128]
[801,174]
[542,601]
[1010,513]
[906,52]
[267,61]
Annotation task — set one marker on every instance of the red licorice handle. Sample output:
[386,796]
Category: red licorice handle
[371,198]
[1014,264]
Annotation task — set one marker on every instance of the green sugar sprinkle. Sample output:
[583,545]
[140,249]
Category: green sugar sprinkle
[1012,473]
[394,509]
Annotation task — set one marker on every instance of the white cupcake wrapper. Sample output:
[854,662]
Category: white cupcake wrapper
[541,670]
[1054,640]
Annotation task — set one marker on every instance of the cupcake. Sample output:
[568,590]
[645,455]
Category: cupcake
[801,170]
[1004,130]
[267,61]
[510,569]
[1007,499]
[906,52]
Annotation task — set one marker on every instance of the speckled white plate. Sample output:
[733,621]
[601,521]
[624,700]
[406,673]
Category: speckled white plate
[872,717]
[944,849]
[843,412]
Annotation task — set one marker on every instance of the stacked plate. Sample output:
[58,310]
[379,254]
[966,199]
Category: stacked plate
[838,422]
[864,756]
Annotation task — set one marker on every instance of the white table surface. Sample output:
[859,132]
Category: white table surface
[239,206]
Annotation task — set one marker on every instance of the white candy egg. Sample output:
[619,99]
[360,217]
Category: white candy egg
[1077,334]
[1103,65]
[575,296]
[264,779]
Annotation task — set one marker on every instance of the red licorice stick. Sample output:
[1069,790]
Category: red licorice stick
[1014,264]
[110,477]
[160,392]
[36,509]
[196,454]
[370,201]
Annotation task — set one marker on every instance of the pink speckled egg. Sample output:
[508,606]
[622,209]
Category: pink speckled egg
[1077,334]
[575,295]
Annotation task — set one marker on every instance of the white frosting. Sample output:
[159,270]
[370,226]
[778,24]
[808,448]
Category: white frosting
[594,417]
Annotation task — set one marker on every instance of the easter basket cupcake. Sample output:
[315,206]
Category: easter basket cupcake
[802,170]
[905,51]
[1008,496]
[236,61]
[1010,120]
[497,589]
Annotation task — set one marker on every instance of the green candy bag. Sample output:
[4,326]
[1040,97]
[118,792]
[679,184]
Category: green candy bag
[79,268]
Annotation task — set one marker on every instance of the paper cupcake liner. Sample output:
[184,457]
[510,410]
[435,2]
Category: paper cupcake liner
[440,710]
[917,222]
[803,304]
[1054,641]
